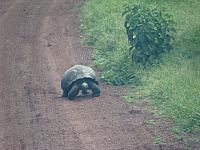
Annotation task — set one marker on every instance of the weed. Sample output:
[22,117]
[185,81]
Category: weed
[158,140]
[150,122]
[129,98]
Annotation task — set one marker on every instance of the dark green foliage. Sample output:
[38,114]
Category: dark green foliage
[120,72]
[149,33]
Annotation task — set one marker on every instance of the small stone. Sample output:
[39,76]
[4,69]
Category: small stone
[50,44]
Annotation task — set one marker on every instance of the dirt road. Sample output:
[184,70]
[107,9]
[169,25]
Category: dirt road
[39,40]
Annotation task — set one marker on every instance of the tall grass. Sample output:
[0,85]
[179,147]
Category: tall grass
[174,89]
[173,86]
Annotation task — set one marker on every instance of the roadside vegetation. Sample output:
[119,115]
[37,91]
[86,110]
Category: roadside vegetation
[171,81]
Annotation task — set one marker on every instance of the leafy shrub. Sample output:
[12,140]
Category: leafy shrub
[148,32]
[121,74]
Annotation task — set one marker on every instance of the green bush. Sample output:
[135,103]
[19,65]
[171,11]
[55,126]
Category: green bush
[149,33]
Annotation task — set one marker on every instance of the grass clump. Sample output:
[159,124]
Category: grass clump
[158,140]
[150,122]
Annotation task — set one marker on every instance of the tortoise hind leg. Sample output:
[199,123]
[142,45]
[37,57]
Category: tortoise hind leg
[73,92]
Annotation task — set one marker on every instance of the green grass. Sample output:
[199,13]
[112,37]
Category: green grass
[174,89]
[173,86]
[176,133]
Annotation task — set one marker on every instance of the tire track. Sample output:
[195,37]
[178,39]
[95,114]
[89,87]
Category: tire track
[30,118]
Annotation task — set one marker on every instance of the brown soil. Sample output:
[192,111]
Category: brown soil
[39,40]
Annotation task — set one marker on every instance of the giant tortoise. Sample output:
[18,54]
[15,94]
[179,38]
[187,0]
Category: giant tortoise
[79,78]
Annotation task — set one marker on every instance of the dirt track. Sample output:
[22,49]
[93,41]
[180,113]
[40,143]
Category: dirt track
[39,40]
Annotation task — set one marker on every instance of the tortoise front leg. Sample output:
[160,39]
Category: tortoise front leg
[73,92]
[95,90]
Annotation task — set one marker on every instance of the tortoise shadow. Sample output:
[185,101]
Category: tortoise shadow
[77,98]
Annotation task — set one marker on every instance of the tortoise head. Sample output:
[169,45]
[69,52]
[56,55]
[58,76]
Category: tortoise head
[84,85]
